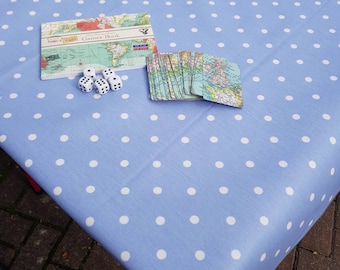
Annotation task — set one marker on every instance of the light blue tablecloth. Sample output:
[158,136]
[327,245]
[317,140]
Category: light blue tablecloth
[185,185]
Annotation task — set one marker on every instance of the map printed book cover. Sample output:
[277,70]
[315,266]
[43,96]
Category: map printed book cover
[119,42]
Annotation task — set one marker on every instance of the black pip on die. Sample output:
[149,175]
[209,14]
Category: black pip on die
[102,85]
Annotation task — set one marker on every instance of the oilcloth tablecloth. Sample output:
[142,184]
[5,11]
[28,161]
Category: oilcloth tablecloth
[185,185]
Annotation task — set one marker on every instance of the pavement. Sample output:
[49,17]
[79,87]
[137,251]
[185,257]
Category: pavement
[36,234]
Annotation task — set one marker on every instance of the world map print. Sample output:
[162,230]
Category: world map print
[190,75]
[119,42]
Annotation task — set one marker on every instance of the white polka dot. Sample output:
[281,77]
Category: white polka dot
[17,76]
[268,118]
[66,115]
[37,116]
[192,16]
[332,140]
[236,254]
[282,17]
[308,79]
[296,116]
[157,190]
[326,116]
[312,164]
[289,98]
[244,140]
[160,220]
[283,164]
[281,78]
[332,172]
[181,117]
[325,62]
[276,61]
[290,191]
[154,117]
[312,197]
[260,97]
[289,225]
[63,138]
[154,139]
[194,219]
[156,164]
[191,191]
[32,137]
[172,44]
[299,61]
[269,45]
[250,61]
[274,139]
[286,30]
[213,139]
[333,78]
[263,257]
[56,14]
[125,139]
[125,191]
[125,96]
[323,197]
[96,115]
[250,164]
[258,190]
[302,223]
[161,254]
[89,221]
[197,45]
[93,163]
[169,16]
[57,191]
[124,163]
[230,220]
[7,115]
[13,95]
[124,220]
[172,30]
[125,256]
[60,162]
[305,139]
[210,118]
[238,117]
[69,96]
[94,138]
[219,164]
[218,29]
[332,31]
[194,30]
[246,45]
[185,140]
[200,255]
[187,163]
[223,190]
[256,79]
[78,14]
[124,116]
[28,163]
[277,252]
[3,138]
[90,189]
[264,220]
[264,31]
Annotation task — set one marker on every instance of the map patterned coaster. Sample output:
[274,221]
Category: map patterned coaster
[190,75]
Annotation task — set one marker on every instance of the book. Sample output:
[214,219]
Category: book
[119,42]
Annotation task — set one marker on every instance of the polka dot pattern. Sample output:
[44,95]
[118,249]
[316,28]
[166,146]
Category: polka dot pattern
[195,172]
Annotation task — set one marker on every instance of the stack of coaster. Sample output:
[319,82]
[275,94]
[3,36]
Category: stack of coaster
[187,75]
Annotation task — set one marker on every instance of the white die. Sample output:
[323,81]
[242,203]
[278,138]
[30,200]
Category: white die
[85,84]
[108,72]
[102,86]
[115,83]
[90,72]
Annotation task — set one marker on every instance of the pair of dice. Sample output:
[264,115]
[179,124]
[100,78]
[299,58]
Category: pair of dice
[102,84]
